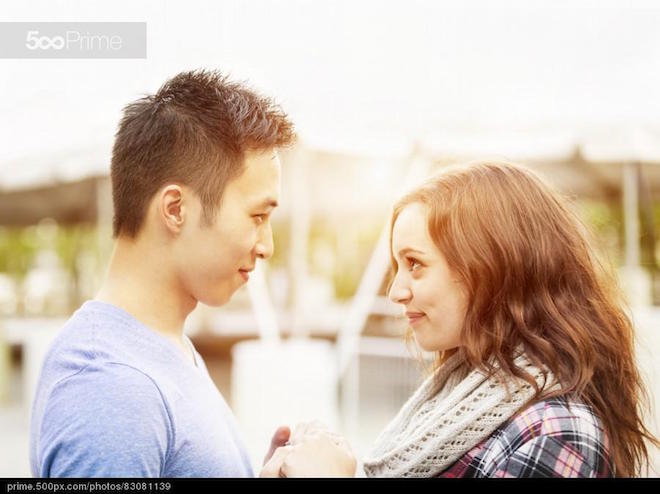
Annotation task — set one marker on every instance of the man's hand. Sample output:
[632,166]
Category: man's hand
[280,438]
[273,468]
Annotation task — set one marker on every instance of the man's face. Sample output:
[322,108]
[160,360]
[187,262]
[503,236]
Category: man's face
[214,261]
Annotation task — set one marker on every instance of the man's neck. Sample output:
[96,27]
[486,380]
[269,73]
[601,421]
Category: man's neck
[139,282]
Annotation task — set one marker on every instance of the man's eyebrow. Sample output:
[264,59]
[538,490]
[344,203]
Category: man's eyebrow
[268,203]
[408,250]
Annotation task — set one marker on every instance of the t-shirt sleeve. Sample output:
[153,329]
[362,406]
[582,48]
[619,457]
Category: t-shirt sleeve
[111,422]
[546,456]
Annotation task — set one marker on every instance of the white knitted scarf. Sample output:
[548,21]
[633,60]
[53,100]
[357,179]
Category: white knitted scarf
[450,413]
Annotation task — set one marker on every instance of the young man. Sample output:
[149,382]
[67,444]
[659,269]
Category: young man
[122,392]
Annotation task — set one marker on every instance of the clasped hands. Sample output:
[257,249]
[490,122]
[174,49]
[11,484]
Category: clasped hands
[310,451]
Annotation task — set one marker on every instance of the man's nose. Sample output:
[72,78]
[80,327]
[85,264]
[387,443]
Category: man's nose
[264,248]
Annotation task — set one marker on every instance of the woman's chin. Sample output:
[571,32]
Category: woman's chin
[424,345]
[432,346]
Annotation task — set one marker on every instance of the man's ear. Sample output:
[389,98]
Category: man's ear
[171,208]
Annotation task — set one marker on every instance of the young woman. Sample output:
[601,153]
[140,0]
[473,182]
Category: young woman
[535,375]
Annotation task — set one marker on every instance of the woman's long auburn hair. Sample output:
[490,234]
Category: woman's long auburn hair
[533,280]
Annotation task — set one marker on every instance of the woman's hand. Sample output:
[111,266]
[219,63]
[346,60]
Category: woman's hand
[313,451]
[319,456]
[306,430]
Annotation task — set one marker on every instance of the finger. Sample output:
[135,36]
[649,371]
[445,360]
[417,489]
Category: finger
[280,438]
[272,469]
[299,432]
[305,430]
[318,434]
[341,441]
[317,424]
[290,466]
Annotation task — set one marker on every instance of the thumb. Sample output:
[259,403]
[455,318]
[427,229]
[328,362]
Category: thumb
[280,438]
[273,468]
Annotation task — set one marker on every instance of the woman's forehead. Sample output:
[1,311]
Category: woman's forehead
[410,229]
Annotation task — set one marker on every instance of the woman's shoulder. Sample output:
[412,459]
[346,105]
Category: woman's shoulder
[559,416]
[564,433]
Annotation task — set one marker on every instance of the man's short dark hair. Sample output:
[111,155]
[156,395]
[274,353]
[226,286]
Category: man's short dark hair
[194,131]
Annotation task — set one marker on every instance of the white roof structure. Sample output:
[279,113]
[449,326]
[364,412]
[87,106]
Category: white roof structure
[357,77]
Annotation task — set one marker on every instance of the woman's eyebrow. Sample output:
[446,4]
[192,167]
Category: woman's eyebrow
[408,250]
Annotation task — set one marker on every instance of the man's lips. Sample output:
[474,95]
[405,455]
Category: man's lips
[414,317]
[245,273]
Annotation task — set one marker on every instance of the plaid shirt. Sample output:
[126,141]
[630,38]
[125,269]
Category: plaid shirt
[545,439]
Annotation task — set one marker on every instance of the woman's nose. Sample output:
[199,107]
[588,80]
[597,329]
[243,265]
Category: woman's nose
[399,294]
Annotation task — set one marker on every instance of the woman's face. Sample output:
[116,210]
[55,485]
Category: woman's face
[435,300]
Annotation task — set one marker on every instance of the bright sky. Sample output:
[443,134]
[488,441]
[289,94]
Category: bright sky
[369,75]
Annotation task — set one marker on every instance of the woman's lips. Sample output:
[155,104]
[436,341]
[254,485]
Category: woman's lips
[414,318]
[244,274]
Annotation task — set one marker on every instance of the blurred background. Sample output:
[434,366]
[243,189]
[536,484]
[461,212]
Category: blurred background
[382,93]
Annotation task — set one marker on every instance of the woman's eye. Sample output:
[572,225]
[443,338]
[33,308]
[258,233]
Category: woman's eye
[414,264]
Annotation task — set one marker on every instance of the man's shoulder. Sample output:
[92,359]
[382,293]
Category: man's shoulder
[92,339]
[87,361]
[103,397]
[103,386]
[104,408]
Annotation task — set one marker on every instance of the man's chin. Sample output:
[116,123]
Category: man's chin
[217,300]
